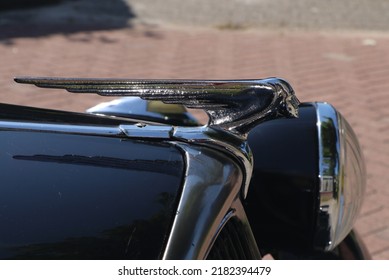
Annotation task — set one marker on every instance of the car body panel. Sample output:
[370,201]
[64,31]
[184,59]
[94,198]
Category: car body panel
[72,196]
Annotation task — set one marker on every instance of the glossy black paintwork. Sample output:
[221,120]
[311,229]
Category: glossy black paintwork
[25,113]
[282,203]
[65,196]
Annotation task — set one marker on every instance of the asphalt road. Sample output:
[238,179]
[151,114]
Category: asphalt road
[366,15]
[305,14]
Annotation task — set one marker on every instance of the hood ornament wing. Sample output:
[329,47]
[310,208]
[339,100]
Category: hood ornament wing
[233,105]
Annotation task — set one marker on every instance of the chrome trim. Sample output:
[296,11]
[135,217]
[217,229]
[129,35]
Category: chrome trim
[61,128]
[137,108]
[147,131]
[335,137]
[138,130]
[233,105]
[212,185]
[222,141]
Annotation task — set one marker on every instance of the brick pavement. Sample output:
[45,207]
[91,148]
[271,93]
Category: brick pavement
[351,71]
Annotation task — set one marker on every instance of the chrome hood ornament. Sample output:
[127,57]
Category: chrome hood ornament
[232,105]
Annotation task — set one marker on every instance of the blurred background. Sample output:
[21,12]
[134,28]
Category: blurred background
[334,51]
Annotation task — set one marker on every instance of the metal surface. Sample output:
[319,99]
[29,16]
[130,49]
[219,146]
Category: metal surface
[218,139]
[305,199]
[221,140]
[342,176]
[62,128]
[72,196]
[233,105]
[283,199]
[151,111]
[218,171]
[212,184]
[218,159]
[16,113]
[147,131]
